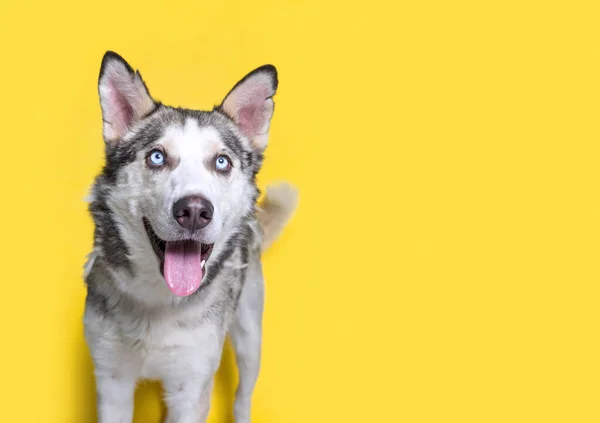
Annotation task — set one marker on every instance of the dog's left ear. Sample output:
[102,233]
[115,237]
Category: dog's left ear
[124,98]
[250,104]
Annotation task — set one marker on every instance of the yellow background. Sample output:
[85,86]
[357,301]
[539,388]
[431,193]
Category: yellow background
[443,263]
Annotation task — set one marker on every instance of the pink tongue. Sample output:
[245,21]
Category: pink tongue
[182,269]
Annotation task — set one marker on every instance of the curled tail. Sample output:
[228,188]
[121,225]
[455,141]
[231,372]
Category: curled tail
[275,210]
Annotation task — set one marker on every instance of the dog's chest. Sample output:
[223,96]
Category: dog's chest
[174,343]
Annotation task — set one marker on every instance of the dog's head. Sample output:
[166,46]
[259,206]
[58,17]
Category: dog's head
[178,182]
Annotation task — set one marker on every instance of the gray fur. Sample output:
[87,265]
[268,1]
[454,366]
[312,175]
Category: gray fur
[107,237]
[134,326]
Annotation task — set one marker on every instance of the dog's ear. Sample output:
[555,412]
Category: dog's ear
[250,104]
[124,97]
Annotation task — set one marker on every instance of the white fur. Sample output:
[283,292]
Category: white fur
[89,263]
[152,194]
[246,337]
[185,359]
[143,330]
[156,346]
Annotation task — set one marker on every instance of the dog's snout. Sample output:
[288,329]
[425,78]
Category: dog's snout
[193,212]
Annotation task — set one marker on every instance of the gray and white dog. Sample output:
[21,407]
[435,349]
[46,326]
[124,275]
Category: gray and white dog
[177,243]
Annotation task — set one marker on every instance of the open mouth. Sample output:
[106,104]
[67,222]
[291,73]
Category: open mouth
[182,262]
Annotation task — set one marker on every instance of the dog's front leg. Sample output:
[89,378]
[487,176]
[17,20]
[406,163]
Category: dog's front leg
[114,397]
[188,401]
[246,334]
[188,379]
[116,368]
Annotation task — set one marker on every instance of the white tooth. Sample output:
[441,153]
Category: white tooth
[202,263]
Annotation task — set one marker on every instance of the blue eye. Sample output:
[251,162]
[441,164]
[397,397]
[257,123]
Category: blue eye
[222,163]
[156,158]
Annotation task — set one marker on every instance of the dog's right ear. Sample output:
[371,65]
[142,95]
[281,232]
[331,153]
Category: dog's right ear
[124,98]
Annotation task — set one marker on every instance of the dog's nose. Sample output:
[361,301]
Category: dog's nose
[193,212]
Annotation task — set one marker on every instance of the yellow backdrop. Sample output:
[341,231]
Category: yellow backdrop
[443,263]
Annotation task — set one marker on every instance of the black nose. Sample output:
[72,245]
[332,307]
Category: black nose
[193,212]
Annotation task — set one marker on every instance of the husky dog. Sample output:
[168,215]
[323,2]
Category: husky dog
[177,243]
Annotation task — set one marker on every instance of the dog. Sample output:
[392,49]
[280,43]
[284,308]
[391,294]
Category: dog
[178,237]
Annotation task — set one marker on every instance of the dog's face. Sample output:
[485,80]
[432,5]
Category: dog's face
[181,179]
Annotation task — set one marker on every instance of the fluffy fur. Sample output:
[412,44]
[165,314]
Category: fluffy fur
[134,325]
